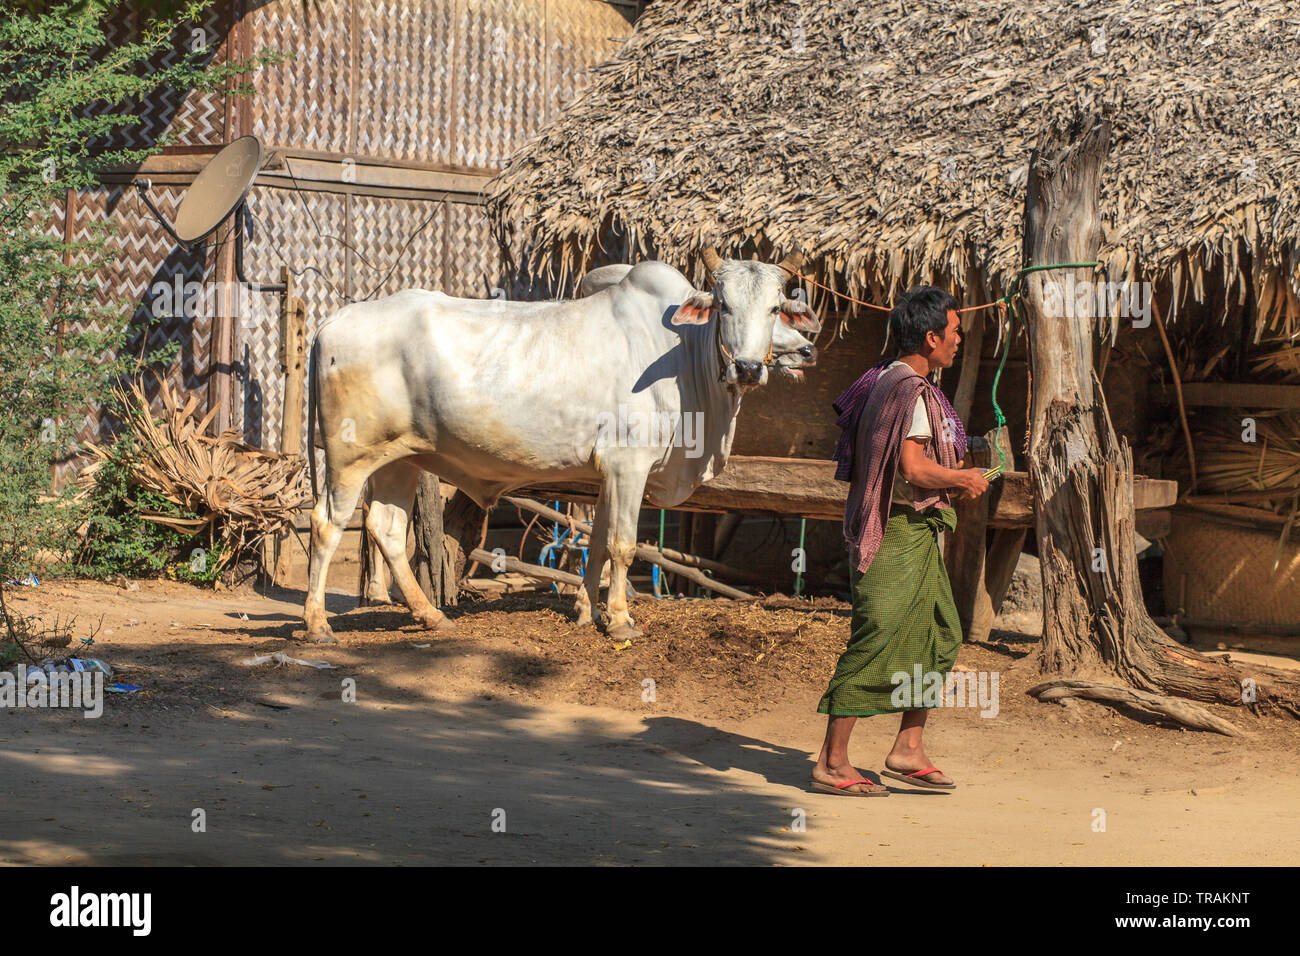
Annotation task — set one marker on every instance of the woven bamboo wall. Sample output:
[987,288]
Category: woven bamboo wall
[285,233]
[188,118]
[450,83]
[139,255]
[1224,573]
[381,229]
[408,108]
[306,101]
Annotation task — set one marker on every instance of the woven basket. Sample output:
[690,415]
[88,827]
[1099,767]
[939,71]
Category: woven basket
[1229,572]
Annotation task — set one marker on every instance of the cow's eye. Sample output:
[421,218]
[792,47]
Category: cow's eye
[776,310]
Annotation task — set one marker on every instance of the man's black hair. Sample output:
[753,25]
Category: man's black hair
[920,310]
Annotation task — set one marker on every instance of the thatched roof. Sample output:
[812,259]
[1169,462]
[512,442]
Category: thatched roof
[891,139]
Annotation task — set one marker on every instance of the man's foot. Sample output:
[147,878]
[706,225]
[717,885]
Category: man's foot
[841,775]
[905,766]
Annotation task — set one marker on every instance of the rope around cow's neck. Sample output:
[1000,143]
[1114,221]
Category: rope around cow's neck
[725,357]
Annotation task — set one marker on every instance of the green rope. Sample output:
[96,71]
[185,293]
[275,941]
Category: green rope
[659,577]
[1009,301]
[798,575]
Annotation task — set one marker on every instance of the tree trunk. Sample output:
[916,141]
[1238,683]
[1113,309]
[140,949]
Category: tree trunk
[434,569]
[464,525]
[1095,622]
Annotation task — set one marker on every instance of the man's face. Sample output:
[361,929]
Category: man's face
[943,351]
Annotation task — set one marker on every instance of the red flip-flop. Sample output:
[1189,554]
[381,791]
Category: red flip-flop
[842,788]
[915,778]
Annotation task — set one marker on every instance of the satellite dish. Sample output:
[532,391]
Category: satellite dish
[218,189]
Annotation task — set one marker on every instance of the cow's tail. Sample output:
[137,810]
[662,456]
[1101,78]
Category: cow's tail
[313,409]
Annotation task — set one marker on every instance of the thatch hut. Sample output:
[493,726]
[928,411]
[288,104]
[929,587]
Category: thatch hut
[889,143]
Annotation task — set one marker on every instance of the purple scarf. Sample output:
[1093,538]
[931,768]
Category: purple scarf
[850,404]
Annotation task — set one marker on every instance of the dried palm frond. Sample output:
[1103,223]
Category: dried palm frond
[236,492]
[1262,476]
[1279,362]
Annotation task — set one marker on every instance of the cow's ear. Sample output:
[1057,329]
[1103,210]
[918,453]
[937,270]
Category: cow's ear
[799,317]
[694,311]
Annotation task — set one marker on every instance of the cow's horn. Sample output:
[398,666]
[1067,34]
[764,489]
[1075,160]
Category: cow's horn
[711,259]
[793,262]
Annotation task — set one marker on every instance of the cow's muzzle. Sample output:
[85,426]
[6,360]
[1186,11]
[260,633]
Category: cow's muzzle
[748,373]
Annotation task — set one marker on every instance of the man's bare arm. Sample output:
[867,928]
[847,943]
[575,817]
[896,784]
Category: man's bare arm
[923,473]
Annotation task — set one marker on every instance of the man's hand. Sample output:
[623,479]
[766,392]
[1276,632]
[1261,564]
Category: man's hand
[924,473]
[971,483]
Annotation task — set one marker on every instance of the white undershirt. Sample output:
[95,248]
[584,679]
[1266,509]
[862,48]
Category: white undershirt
[920,428]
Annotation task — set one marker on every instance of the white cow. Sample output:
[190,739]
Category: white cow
[791,353]
[493,395]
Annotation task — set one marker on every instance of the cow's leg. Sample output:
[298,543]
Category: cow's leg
[328,519]
[625,491]
[588,599]
[376,585]
[393,489]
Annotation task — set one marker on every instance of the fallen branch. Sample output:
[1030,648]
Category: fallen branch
[648,553]
[535,571]
[1181,711]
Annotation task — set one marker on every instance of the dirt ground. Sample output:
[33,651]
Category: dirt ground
[524,719]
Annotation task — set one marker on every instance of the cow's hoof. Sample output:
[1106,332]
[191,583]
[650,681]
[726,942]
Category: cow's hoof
[623,632]
[439,623]
[324,636]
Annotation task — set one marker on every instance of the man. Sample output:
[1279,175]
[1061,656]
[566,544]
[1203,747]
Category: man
[901,452]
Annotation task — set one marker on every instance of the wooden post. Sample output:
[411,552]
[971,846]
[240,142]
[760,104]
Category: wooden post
[964,548]
[1094,620]
[703,529]
[293,365]
[434,568]
[1000,556]
[370,564]
[965,559]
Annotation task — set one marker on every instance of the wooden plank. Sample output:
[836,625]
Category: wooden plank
[807,488]
[964,548]
[396,177]
[1234,395]
[309,166]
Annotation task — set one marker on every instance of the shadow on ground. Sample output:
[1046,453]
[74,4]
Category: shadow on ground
[324,781]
